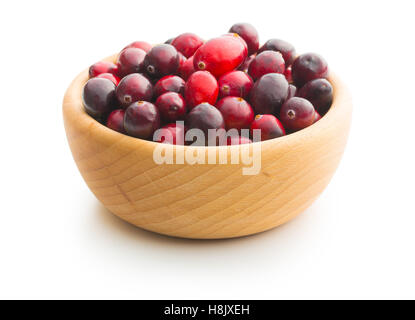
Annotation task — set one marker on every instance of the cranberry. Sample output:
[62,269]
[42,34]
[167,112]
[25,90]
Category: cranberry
[269,125]
[286,49]
[132,88]
[319,92]
[102,67]
[266,62]
[115,120]
[205,117]
[292,90]
[109,76]
[169,41]
[245,65]
[201,87]
[98,97]
[235,140]
[161,60]
[172,133]
[141,119]
[297,113]
[169,84]
[288,74]
[237,113]
[307,67]
[140,45]
[130,60]
[235,83]
[220,55]
[186,69]
[171,106]
[187,44]
[249,34]
[182,60]
[269,93]
[316,117]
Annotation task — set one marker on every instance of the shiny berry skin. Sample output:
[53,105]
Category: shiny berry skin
[235,83]
[319,92]
[269,125]
[98,97]
[236,112]
[292,91]
[288,74]
[187,44]
[186,69]
[145,46]
[249,34]
[297,113]
[161,61]
[169,84]
[172,107]
[307,67]
[201,87]
[266,62]
[115,120]
[109,76]
[221,55]
[172,133]
[130,60]
[286,49]
[245,65]
[132,88]
[102,67]
[269,93]
[182,60]
[141,119]
[235,140]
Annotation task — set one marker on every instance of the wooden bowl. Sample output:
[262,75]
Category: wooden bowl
[206,201]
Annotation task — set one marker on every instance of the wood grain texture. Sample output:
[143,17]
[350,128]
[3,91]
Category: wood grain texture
[206,201]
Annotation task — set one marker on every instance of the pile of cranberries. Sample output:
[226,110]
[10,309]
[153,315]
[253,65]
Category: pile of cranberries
[228,82]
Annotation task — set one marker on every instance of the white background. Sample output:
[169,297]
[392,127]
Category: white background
[57,241]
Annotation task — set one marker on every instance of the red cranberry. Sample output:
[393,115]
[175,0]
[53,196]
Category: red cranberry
[307,67]
[237,113]
[288,74]
[132,88]
[169,84]
[141,119]
[266,62]
[140,45]
[316,117]
[245,65]
[187,44]
[319,92]
[220,55]
[235,83]
[286,49]
[172,133]
[292,90]
[109,76]
[161,60]
[235,140]
[115,120]
[102,67]
[201,87]
[130,60]
[182,60]
[269,125]
[171,106]
[98,97]
[269,93]
[186,69]
[249,34]
[297,113]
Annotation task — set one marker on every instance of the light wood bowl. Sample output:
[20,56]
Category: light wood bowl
[206,201]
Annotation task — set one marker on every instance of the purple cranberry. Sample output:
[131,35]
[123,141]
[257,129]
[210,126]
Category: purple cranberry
[266,62]
[99,97]
[237,113]
[172,107]
[307,67]
[141,119]
[115,120]
[161,61]
[245,65]
[297,113]
[269,125]
[292,90]
[169,84]
[319,92]
[130,60]
[247,32]
[235,83]
[286,49]
[132,88]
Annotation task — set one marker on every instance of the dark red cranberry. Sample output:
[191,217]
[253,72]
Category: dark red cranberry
[130,60]
[269,93]
[141,119]
[319,92]
[292,90]
[98,97]
[186,69]
[288,74]
[169,41]
[307,67]
[132,88]
[201,87]
[172,106]
[297,113]
[109,76]
[286,49]
[161,61]
[266,62]
[169,84]
[187,44]
[316,117]
[249,34]
[236,112]
[245,65]
[235,140]
[205,117]
[140,45]
[269,125]
[102,67]
[115,120]
[173,133]
[220,55]
[235,83]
